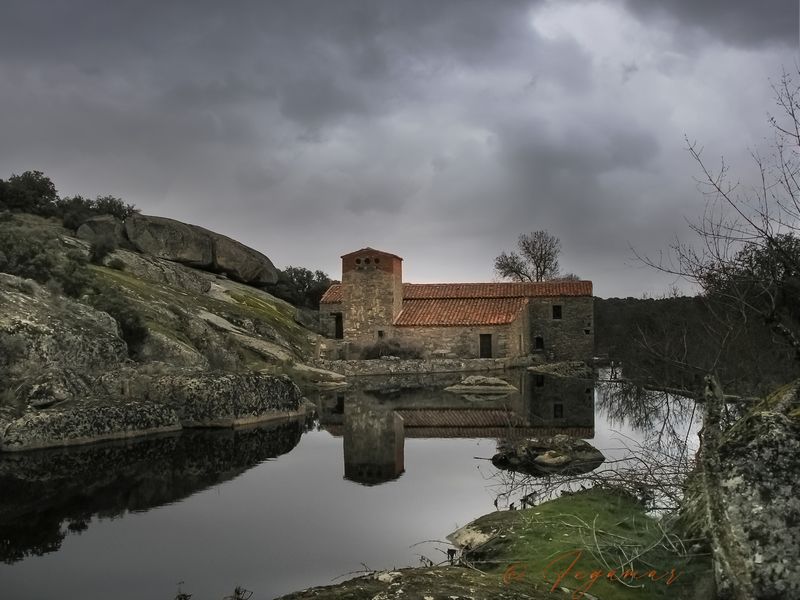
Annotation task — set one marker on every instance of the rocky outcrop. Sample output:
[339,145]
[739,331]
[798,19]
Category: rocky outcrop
[130,402]
[103,227]
[745,497]
[49,332]
[559,454]
[198,247]
[222,400]
[86,422]
[170,239]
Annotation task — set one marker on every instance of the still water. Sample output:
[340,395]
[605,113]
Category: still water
[368,482]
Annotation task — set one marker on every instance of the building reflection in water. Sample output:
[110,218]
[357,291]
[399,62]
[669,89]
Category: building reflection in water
[378,414]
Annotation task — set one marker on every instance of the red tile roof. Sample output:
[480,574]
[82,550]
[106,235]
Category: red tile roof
[459,311]
[540,289]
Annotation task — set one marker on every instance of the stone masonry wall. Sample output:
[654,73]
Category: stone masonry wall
[569,338]
[461,342]
[372,299]
[327,320]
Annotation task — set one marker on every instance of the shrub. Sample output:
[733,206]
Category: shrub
[116,263]
[101,248]
[390,347]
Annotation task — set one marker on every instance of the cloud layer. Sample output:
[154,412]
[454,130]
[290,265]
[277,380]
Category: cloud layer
[439,131]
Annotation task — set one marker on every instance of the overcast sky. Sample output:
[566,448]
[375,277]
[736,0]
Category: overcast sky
[438,130]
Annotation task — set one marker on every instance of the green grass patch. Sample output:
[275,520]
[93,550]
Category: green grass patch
[592,541]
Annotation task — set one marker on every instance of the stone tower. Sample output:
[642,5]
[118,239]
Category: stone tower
[372,294]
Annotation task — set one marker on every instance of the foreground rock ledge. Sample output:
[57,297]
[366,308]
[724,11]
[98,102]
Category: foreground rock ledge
[161,404]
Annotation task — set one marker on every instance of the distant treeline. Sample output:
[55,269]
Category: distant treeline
[674,342]
[34,193]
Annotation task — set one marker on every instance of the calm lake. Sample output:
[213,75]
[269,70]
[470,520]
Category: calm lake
[368,481]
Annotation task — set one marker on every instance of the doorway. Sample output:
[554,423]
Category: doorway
[485,345]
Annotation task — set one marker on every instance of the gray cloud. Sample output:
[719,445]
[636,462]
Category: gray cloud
[737,22]
[436,130]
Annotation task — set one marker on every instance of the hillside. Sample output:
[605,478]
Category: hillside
[84,329]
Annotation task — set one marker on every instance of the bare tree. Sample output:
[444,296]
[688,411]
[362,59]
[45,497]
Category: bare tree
[537,259]
[747,258]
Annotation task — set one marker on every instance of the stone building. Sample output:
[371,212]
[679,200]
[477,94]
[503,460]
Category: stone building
[459,320]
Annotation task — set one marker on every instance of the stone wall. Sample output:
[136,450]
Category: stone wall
[463,342]
[373,295]
[388,366]
[327,318]
[569,338]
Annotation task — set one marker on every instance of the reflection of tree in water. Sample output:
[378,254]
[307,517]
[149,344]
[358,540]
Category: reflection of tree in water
[662,418]
[652,469]
[45,495]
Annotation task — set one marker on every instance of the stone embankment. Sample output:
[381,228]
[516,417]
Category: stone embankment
[397,366]
[125,404]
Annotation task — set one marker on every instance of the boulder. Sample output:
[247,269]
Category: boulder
[556,455]
[170,239]
[241,262]
[198,247]
[103,227]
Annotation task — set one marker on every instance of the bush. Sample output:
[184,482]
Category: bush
[116,263]
[30,192]
[101,248]
[390,347]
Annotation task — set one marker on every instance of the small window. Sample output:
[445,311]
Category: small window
[587,331]
[558,411]
[358,261]
[538,343]
[556,311]
[539,380]
[377,260]
[366,261]
[380,333]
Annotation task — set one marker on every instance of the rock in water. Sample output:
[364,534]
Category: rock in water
[481,384]
[559,454]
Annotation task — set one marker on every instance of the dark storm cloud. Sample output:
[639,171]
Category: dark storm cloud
[431,129]
[737,22]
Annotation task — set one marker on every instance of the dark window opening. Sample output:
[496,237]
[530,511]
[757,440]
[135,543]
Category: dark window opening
[556,311]
[538,343]
[366,261]
[485,345]
[339,408]
[380,333]
[587,331]
[377,260]
[358,261]
[539,380]
[558,411]
[339,328]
